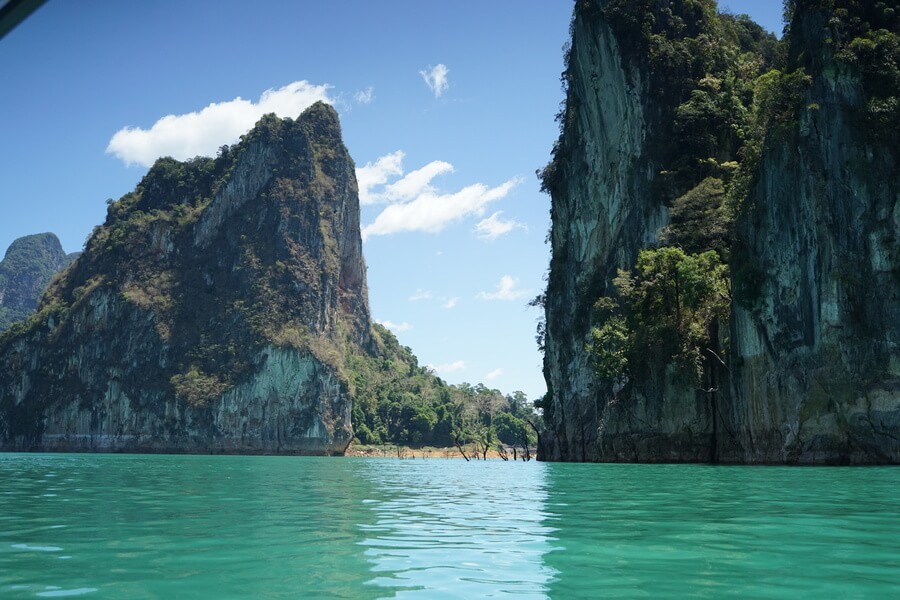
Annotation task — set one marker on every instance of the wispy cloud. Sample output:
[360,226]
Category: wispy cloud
[506,290]
[396,327]
[450,303]
[409,187]
[458,365]
[431,211]
[415,183]
[436,78]
[414,201]
[203,132]
[378,173]
[493,374]
[493,227]
[365,96]
[421,295]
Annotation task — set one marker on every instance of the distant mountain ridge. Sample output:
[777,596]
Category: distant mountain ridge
[25,271]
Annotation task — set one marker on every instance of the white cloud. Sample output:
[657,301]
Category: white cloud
[451,303]
[416,204]
[409,187]
[378,173]
[449,367]
[431,211]
[493,227]
[436,78]
[415,183]
[203,132]
[494,374]
[365,96]
[421,295]
[506,290]
[396,327]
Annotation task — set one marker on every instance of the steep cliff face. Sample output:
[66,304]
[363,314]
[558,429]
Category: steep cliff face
[816,325]
[212,312]
[803,367]
[601,217]
[25,271]
[607,204]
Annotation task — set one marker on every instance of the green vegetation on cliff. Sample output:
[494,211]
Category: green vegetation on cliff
[721,200]
[704,71]
[720,86]
[668,312]
[861,38]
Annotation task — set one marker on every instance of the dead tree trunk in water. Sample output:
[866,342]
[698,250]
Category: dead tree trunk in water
[537,432]
[502,451]
[460,448]
[526,456]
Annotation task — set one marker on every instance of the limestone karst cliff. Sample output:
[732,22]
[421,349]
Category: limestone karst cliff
[211,312]
[815,321]
[25,272]
[725,277]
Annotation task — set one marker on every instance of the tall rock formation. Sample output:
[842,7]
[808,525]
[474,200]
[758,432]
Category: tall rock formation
[685,131]
[211,312]
[816,316]
[25,272]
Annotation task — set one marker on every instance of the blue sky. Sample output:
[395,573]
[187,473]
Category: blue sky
[447,106]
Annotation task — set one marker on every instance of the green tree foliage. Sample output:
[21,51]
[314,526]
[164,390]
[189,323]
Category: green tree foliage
[399,402]
[611,341]
[396,400]
[701,219]
[863,36]
[665,312]
[197,387]
[512,430]
[779,97]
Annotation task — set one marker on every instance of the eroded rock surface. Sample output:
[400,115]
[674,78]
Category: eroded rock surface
[211,312]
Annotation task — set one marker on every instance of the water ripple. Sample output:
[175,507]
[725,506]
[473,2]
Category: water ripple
[267,527]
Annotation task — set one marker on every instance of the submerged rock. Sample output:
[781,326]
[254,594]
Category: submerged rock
[211,312]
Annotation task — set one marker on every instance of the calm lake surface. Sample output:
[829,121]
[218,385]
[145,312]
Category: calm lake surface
[127,526]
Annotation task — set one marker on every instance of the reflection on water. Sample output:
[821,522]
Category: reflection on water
[452,529]
[625,531]
[109,526]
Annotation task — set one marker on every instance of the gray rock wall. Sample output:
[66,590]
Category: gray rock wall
[603,214]
[811,373]
[816,330]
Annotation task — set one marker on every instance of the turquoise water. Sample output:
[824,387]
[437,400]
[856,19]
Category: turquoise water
[119,526]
